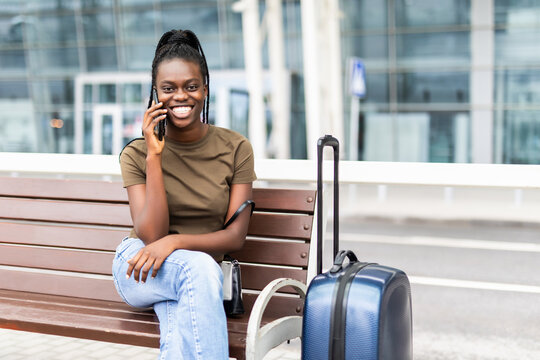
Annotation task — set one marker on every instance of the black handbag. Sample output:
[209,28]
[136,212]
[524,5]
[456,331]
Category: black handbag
[232,277]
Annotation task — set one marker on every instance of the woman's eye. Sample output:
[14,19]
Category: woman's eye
[192,87]
[167,89]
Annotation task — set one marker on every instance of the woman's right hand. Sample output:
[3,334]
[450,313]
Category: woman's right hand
[152,116]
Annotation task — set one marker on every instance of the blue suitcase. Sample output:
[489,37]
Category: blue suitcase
[355,310]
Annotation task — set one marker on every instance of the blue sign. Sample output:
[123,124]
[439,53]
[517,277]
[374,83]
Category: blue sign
[358,78]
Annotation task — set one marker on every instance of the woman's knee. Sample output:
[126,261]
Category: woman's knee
[202,268]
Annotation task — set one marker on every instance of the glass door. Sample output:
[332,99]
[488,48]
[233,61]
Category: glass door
[107,129]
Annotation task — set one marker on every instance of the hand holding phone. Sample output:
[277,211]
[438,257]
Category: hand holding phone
[159,130]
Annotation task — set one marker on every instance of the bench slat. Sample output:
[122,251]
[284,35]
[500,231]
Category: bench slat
[100,288]
[63,189]
[81,237]
[288,201]
[65,211]
[57,259]
[281,226]
[273,253]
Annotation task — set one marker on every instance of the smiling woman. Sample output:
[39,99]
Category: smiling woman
[182,188]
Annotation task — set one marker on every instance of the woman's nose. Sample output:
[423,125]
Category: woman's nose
[180,94]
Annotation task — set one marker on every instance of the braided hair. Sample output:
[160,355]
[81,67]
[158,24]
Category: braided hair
[181,44]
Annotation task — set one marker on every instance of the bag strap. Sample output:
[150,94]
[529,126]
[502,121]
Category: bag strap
[239,211]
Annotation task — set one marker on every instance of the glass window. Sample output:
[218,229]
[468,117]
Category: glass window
[131,93]
[433,87]
[376,88]
[11,29]
[422,13]
[50,5]
[88,91]
[292,23]
[101,58]
[137,26]
[521,137]
[234,52]
[139,56]
[517,12]
[55,29]
[200,20]
[14,90]
[414,136]
[212,52]
[98,27]
[449,137]
[435,49]
[132,124]
[373,49]
[60,91]
[517,87]
[233,21]
[517,46]
[107,93]
[87,134]
[364,14]
[42,61]
[12,59]
[96,4]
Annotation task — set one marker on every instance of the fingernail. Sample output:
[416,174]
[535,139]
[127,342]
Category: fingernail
[127,276]
[142,281]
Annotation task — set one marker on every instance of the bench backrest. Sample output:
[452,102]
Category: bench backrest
[58,237]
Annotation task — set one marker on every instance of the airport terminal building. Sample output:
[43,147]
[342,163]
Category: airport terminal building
[444,81]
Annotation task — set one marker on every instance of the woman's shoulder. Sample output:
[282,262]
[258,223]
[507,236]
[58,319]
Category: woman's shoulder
[133,148]
[229,135]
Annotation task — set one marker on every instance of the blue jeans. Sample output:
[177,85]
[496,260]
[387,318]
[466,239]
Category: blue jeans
[187,297]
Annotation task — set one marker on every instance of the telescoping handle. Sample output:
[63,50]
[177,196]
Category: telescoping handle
[327,140]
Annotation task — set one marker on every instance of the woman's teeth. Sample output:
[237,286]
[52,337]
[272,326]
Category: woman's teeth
[181,109]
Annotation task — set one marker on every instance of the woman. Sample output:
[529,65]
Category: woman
[181,190]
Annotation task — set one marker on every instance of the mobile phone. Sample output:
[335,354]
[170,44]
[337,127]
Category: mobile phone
[160,128]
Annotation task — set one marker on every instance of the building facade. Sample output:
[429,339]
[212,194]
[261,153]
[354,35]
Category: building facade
[446,80]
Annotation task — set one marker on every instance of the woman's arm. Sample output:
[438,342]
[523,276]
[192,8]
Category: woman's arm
[148,202]
[219,242]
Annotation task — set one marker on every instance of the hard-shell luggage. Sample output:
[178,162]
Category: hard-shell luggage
[355,310]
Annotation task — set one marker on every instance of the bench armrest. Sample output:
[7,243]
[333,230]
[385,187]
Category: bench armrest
[261,340]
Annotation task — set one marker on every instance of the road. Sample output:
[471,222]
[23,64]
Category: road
[475,286]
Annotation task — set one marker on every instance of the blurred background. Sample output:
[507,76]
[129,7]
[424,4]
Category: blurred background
[444,81]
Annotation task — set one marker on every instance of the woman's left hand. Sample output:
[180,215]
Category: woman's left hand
[150,256]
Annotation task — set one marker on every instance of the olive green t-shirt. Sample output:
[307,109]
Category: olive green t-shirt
[197,177]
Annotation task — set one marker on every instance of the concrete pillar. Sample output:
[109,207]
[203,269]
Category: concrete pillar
[481,80]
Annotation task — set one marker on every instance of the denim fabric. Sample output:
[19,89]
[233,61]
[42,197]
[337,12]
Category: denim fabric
[187,298]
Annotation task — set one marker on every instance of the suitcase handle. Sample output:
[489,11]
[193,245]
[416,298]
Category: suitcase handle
[340,258]
[327,140]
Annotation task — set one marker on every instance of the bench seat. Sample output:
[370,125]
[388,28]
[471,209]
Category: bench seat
[57,241]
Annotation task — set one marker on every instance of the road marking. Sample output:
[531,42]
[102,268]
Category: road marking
[442,242]
[480,285]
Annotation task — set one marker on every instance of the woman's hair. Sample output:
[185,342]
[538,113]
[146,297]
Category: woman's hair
[181,44]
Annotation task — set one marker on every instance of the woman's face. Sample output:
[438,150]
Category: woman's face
[180,87]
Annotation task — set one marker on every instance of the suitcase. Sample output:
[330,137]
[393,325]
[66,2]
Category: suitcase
[355,310]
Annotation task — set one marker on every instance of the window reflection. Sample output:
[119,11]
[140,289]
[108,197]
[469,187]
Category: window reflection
[101,58]
[58,30]
[412,13]
[433,87]
[98,26]
[521,142]
[433,49]
[517,46]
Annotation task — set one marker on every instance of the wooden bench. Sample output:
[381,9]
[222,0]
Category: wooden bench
[57,242]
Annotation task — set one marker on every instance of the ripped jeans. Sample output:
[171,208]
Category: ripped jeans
[186,295]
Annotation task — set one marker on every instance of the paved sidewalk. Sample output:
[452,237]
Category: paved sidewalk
[19,345]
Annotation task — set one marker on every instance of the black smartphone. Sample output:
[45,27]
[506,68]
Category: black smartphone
[160,131]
